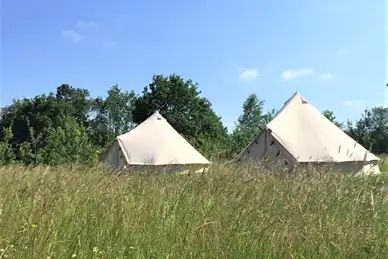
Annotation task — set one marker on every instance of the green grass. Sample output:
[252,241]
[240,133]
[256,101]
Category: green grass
[384,163]
[87,213]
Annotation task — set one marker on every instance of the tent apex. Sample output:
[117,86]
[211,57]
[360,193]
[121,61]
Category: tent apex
[157,115]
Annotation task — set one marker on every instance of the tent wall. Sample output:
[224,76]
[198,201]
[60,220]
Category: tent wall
[114,157]
[155,142]
[173,168]
[255,150]
[355,167]
[266,148]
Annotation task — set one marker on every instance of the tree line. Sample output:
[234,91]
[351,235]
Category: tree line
[69,125]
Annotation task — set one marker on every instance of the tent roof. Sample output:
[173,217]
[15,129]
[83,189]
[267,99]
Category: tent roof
[309,136]
[156,142]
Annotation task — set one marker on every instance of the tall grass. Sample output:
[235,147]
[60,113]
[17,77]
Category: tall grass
[88,213]
[384,163]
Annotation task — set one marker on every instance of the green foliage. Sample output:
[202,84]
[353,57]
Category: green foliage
[75,102]
[371,130]
[250,123]
[7,154]
[270,115]
[330,116]
[384,163]
[69,143]
[30,151]
[113,116]
[39,129]
[44,112]
[85,213]
[180,103]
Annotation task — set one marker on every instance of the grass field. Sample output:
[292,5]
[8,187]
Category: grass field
[87,213]
[384,163]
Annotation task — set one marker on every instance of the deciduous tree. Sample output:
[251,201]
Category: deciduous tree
[179,101]
[330,116]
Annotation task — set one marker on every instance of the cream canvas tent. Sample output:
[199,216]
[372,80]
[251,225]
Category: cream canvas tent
[154,142]
[300,134]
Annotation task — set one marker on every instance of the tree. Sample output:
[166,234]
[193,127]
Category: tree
[29,151]
[179,101]
[75,102]
[269,116]
[250,123]
[68,143]
[40,114]
[330,116]
[7,154]
[371,129]
[113,116]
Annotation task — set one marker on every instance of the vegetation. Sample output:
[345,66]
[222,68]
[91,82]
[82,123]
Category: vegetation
[56,202]
[82,213]
[37,130]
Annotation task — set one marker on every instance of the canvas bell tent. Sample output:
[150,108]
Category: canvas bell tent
[153,143]
[301,134]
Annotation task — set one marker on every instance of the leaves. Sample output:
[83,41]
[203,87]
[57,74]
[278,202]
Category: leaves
[330,116]
[250,123]
[7,155]
[113,116]
[68,143]
[371,129]
[68,125]
[179,101]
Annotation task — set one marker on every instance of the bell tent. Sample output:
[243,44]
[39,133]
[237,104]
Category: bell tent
[153,143]
[301,134]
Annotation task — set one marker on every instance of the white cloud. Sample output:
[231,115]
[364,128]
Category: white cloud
[72,35]
[86,24]
[292,74]
[327,76]
[249,74]
[352,103]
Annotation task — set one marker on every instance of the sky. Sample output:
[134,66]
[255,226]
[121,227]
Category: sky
[332,52]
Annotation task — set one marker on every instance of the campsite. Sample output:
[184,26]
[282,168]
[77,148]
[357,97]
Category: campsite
[204,129]
[107,188]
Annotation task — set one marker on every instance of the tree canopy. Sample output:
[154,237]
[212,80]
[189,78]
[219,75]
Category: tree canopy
[179,101]
[69,125]
[330,116]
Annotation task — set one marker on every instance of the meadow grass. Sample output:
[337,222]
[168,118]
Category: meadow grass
[384,163]
[90,213]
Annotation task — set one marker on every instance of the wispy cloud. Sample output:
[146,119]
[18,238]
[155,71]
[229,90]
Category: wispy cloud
[249,74]
[327,76]
[72,35]
[292,74]
[86,24]
[83,29]
[352,103]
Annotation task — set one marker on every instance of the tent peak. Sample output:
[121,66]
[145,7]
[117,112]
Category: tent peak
[299,96]
[157,115]
[156,142]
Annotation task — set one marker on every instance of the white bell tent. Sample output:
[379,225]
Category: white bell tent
[301,134]
[153,142]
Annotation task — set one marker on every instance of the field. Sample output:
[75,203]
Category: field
[88,213]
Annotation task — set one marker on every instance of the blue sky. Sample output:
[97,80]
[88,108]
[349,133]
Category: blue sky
[331,51]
